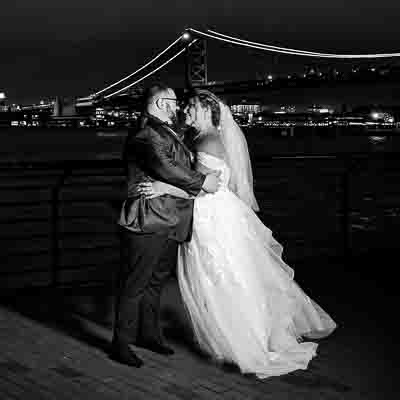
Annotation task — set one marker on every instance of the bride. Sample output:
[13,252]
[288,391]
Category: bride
[244,306]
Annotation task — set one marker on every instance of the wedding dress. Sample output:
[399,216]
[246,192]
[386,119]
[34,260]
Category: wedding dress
[243,303]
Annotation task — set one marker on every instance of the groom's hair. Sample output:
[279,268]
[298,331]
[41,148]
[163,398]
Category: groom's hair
[153,92]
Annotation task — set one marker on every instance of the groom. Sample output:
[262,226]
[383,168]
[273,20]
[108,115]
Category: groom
[152,228]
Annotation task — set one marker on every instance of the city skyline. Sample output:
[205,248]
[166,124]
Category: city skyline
[71,50]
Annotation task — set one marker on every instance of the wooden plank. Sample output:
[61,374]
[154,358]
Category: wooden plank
[79,208]
[89,241]
[22,229]
[201,374]
[91,193]
[89,226]
[81,358]
[18,264]
[94,177]
[21,212]
[103,272]
[167,375]
[47,372]
[10,196]
[17,389]
[16,247]
[33,388]
[25,280]
[74,258]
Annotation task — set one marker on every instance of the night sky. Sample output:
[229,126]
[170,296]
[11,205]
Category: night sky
[77,47]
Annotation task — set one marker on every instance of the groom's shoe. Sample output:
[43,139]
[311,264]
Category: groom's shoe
[156,347]
[122,353]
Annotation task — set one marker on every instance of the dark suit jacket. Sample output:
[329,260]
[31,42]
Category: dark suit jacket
[154,152]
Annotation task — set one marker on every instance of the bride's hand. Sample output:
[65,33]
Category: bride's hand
[151,189]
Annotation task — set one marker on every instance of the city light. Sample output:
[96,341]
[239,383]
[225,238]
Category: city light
[186,36]
[2,96]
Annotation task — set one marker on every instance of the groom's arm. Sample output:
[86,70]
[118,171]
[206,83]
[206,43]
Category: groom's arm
[154,155]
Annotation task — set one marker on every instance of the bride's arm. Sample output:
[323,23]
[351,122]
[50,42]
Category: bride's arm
[160,188]
[211,145]
[157,188]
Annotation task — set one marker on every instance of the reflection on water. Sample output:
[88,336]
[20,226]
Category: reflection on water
[69,144]
[39,144]
[377,139]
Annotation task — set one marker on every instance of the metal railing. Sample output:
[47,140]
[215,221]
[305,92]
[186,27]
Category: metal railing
[36,196]
[48,189]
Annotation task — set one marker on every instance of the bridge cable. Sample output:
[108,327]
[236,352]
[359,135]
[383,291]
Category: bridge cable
[284,50]
[141,68]
[259,47]
[267,46]
[152,72]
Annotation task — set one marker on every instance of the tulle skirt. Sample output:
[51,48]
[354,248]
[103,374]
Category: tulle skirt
[243,303]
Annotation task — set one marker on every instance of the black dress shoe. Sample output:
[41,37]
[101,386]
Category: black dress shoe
[156,347]
[122,353]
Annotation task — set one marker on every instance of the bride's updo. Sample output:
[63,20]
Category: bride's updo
[208,100]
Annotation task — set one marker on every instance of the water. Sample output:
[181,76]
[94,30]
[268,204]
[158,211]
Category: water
[39,144]
[21,144]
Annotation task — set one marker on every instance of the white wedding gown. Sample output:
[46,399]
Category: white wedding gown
[244,306]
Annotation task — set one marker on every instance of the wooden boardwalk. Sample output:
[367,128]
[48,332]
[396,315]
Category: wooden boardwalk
[50,355]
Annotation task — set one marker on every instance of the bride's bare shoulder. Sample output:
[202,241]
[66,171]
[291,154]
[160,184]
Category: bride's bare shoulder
[210,144]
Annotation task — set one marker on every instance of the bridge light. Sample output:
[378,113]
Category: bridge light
[375,115]
[186,36]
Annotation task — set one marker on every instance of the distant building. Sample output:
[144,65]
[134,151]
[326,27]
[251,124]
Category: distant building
[319,109]
[3,105]
[285,109]
[246,110]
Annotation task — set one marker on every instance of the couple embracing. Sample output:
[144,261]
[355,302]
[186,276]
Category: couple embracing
[193,211]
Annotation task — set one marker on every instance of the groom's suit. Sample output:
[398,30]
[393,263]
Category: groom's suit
[154,151]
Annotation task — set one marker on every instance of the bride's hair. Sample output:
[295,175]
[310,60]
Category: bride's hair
[234,141]
[209,100]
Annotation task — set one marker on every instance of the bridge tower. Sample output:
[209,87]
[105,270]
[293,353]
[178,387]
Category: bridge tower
[196,63]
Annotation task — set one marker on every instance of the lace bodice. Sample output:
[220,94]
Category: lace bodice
[217,164]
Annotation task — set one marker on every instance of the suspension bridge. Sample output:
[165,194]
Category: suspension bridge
[192,45]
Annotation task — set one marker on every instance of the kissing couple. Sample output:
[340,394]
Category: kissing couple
[193,211]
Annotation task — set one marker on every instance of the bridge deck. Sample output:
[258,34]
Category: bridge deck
[54,346]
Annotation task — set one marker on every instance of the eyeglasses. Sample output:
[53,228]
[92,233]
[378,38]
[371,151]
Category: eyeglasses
[178,102]
[170,98]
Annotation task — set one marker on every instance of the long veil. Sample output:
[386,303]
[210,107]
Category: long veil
[238,158]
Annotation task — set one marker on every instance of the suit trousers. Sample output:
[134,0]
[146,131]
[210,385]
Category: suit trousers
[148,261]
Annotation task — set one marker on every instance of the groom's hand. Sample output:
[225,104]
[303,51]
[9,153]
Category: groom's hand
[133,189]
[136,188]
[212,182]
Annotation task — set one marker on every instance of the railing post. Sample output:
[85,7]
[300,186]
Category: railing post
[346,226]
[55,226]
